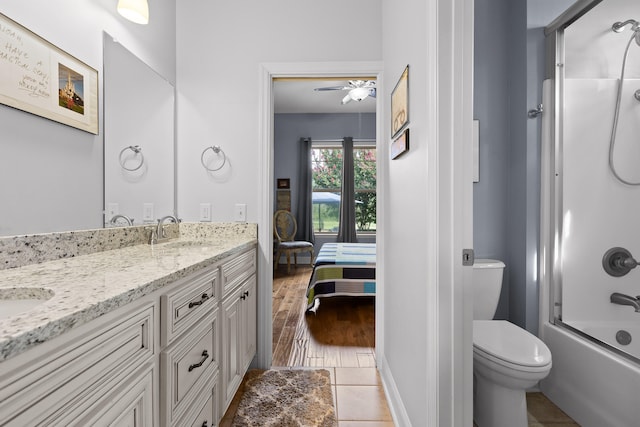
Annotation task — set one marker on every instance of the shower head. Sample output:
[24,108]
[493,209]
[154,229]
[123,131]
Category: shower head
[618,27]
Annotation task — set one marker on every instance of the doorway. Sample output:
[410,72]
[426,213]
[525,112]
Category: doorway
[267,317]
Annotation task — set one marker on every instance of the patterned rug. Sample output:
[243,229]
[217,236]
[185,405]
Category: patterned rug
[286,398]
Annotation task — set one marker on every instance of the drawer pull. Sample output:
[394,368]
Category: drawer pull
[204,424]
[205,356]
[202,300]
[244,295]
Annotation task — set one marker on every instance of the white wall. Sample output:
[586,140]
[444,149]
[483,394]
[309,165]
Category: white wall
[427,354]
[51,174]
[219,48]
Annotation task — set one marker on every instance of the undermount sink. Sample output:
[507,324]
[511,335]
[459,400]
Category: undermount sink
[14,301]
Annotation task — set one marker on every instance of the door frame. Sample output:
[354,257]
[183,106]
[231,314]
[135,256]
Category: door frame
[269,71]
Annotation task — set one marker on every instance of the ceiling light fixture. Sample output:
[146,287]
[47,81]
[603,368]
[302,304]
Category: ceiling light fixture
[134,10]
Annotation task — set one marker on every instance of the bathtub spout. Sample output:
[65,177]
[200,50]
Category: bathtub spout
[622,299]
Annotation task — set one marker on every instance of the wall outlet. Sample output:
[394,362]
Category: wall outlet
[240,213]
[112,209]
[205,211]
[147,212]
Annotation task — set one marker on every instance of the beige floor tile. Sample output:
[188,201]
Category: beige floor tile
[542,410]
[366,424]
[357,376]
[361,403]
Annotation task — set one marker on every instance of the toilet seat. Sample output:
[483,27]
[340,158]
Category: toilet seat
[510,346]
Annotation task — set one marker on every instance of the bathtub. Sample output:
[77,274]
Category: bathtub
[593,385]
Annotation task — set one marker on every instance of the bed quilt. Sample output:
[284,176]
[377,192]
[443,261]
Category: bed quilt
[343,269]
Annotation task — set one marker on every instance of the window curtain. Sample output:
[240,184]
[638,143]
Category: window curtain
[303,214]
[347,228]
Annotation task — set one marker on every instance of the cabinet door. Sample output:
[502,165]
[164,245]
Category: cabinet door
[249,319]
[130,405]
[232,366]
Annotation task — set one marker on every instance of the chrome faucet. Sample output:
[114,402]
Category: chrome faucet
[160,232]
[622,299]
[118,216]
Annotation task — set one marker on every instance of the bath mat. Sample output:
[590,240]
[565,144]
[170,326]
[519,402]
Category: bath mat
[286,398]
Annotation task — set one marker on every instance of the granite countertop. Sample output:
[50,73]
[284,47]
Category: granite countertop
[87,286]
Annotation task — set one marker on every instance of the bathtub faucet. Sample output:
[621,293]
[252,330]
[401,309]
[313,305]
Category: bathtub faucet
[622,299]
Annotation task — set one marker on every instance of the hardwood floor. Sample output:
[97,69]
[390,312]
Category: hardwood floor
[341,334]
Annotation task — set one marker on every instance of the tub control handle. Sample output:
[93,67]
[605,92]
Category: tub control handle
[618,261]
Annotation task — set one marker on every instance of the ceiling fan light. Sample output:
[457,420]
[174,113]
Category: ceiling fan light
[346,99]
[134,10]
[359,93]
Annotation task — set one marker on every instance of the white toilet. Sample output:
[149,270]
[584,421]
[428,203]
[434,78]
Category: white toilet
[507,359]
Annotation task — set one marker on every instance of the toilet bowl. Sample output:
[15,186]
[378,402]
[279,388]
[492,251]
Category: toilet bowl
[507,359]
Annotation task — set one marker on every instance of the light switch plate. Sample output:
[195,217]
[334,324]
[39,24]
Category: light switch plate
[147,212]
[205,211]
[240,214]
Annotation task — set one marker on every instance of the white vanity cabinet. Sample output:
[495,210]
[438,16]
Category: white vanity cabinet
[103,370]
[174,357]
[238,311]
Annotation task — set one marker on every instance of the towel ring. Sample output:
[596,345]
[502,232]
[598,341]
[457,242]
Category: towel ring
[216,149]
[136,150]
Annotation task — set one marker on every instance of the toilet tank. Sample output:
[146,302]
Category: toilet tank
[487,284]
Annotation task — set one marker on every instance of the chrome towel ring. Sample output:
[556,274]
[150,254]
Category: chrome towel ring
[217,150]
[137,151]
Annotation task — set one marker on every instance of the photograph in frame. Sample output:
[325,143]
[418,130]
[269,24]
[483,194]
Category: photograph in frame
[400,104]
[41,79]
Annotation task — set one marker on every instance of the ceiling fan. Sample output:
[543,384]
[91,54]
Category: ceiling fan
[358,90]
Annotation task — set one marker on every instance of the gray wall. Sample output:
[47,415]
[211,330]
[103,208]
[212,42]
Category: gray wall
[509,61]
[289,128]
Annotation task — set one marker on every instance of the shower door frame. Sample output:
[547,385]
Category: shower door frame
[551,192]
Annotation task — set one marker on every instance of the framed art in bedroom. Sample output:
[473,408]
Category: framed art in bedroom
[400,145]
[400,104]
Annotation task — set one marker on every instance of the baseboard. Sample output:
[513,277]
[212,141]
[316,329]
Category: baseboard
[398,411]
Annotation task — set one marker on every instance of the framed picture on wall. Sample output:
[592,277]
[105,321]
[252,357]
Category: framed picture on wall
[284,183]
[41,79]
[400,145]
[400,104]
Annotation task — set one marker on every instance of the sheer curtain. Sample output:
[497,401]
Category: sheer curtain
[303,214]
[347,228]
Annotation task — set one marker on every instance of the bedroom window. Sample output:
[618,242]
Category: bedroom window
[326,163]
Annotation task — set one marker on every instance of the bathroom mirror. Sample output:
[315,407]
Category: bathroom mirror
[139,173]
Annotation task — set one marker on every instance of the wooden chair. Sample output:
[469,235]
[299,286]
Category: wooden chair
[284,230]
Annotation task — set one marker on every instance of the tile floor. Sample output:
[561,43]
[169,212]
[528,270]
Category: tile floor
[359,401]
[358,396]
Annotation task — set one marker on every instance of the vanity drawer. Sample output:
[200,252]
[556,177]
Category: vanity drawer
[186,367]
[204,411]
[236,270]
[188,302]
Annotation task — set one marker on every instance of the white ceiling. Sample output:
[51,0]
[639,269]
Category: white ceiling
[299,96]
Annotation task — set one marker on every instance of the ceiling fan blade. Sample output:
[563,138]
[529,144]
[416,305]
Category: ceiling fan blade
[332,88]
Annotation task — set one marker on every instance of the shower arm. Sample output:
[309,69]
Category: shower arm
[619,26]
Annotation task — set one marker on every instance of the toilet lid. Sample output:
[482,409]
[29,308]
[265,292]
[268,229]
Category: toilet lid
[505,341]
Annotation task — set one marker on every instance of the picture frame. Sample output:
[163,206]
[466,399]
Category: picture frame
[39,78]
[283,183]
[400,145]
[400,104]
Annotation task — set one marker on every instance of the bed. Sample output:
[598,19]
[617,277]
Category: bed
[347,269]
